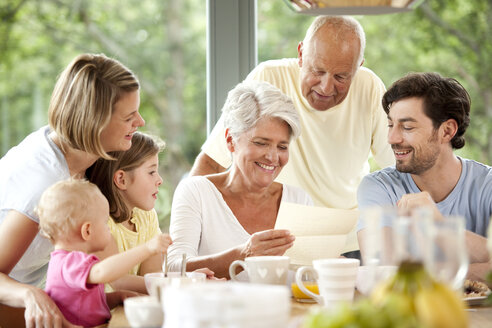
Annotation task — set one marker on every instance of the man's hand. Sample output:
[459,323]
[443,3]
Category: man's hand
[422,199]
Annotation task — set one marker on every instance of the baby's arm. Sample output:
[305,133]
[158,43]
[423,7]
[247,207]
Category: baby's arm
[118,265]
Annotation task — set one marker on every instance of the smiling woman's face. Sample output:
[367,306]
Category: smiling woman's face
[124,122]
[260,153]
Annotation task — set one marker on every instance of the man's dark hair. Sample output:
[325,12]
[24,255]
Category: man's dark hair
[444,99]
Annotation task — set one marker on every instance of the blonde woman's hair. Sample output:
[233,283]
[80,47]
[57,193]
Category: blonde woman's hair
[83,99]
[102,172]
[250,101]
[62,207]
[340,26]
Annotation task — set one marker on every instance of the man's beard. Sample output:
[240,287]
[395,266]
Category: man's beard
[420,163]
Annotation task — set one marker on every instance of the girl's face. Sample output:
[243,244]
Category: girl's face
[142,184]
[124,122]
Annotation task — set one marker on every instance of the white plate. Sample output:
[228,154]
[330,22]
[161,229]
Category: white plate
[478,300]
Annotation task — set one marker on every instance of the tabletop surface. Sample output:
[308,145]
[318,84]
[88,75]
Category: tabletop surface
[480,316]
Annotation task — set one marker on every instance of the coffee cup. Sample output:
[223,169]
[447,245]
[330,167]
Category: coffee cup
[335,278]
[263,269]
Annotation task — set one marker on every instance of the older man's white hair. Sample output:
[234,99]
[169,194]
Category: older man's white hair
[342,25]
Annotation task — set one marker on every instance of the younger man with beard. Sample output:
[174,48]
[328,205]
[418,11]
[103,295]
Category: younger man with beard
[427,119]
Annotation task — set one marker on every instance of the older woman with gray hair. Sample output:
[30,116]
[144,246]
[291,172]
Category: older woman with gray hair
[223,217]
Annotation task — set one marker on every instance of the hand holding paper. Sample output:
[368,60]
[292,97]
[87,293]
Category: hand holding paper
[320,232]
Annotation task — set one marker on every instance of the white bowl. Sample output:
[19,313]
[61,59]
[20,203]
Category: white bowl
[157,279]
[143,311]
[227,304]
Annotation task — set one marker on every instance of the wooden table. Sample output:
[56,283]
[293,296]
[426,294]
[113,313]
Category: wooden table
[480,316]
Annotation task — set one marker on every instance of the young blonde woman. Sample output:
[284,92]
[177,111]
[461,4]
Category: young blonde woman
[93,110]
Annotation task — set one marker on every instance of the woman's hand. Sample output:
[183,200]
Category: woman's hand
[268,242]
[41,311]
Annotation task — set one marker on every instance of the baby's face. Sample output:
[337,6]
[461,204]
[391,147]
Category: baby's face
[100,217]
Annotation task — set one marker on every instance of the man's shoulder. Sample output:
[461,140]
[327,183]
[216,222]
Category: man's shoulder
[387,174]
[279,63]
[276,66]
[477,172]
[365,75]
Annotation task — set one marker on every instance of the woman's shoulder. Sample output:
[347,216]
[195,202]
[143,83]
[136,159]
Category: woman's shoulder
[197,182]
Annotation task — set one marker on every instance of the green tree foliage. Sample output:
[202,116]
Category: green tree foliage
[164,43]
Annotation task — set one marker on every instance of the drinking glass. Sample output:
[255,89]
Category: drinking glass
[449,257]
[377,247]
[438,243]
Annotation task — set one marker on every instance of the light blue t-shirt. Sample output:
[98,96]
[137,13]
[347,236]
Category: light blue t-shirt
[25,172]
[470,198]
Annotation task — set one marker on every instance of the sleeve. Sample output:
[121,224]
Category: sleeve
[186,223]
[76,269]
[371,193]
[380,148]
[215,146]
[297,195]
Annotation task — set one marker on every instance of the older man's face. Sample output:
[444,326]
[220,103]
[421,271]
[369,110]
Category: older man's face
[327,68]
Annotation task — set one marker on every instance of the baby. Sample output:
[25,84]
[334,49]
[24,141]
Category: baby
[73,214]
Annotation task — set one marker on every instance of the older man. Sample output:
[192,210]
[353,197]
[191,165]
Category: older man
[339,103]
[427,118]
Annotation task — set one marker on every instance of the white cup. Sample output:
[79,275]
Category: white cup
[336,280]
[143,311]
[263,269]
[155,281]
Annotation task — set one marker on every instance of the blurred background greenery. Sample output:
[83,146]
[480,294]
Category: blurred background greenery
[164,43]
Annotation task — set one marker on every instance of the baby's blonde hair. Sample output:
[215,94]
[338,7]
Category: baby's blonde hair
[63,207]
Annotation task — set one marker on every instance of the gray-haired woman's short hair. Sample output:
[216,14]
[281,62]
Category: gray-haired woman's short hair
[251,101]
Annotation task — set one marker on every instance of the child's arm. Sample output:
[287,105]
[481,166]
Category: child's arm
[118,265]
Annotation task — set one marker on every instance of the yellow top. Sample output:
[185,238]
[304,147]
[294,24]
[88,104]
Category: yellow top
[147,226]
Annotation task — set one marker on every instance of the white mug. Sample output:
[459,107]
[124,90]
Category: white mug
[335,277]
[263,269]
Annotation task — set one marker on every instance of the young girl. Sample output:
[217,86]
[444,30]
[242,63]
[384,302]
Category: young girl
[73,214]
[130,183]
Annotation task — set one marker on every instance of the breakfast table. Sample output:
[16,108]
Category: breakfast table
[480,315]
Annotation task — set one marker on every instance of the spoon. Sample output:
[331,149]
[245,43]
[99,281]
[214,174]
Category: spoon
[165,265]
[183,265]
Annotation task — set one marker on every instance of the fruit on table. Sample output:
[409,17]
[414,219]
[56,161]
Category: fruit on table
[411,298]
